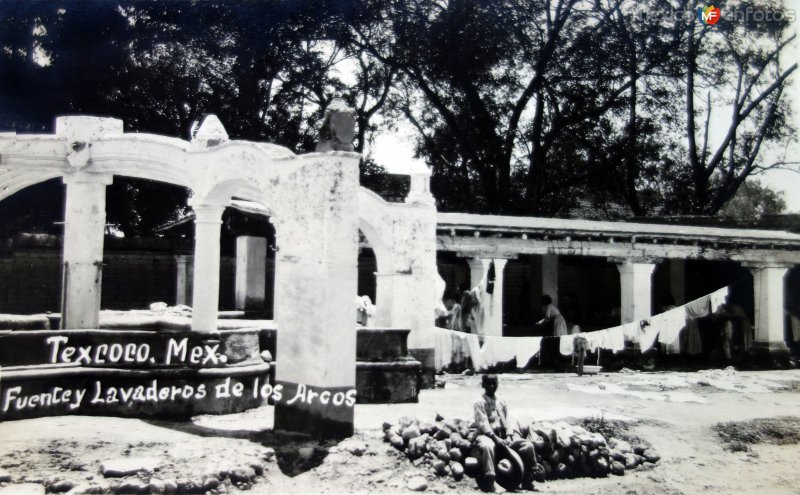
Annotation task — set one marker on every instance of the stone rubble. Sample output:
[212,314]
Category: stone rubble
[562,450]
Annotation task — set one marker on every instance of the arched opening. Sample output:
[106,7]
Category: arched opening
[138,265]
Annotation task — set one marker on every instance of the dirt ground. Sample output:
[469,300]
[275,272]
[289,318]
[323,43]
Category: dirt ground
[677,413]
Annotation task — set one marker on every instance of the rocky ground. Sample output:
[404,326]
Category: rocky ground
[717,431]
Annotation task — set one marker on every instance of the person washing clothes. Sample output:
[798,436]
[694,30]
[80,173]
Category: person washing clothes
[553,317]
[453,315]
[491,418]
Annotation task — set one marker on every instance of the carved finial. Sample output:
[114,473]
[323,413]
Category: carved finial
[338,128]
[210,133]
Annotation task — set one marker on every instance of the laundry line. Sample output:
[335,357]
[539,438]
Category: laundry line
[482,352]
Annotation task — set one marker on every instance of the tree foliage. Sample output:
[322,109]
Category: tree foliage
[753,201]
[519,106]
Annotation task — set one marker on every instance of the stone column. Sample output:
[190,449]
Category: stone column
[251,272]
[316,286]
[494,326]
[636,290]
[550,276]
[677,280]
[769,347]
[385,301]
[477,270]
[184,274]
[84,229]
[205,288]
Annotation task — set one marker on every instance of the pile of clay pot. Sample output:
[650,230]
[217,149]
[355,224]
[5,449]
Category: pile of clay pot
[562,450]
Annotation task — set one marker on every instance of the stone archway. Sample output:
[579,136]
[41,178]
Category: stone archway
[314,198]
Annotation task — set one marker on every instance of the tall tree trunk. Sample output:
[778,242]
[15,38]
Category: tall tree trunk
[699,179]
[632,162]
[537,157]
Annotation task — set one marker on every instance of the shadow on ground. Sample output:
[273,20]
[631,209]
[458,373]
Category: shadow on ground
[295,454]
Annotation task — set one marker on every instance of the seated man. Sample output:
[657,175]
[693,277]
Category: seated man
[491,417]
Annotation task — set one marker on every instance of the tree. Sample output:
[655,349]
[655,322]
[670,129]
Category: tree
[753,201]
[739,64]
[520,106]
[525,106]
[509,98]
[268,70]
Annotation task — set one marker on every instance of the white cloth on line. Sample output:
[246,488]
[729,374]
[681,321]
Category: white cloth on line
[648,333]
[717,298]
[501,349]
[615,339]
[670,324]
[453,347]
[566,343]
[630,331]
[697,308]
[474,346]
[498,349]
[596,339]
[443,352]
[527,347]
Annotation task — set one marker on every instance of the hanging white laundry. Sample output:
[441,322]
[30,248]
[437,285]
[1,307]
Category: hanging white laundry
[595,339]
[566,344]
[460,347]
[527,347]
[648,333]
[443,352]
[474,346]
[670,324]
[717,298]
[697,308]
[616,339]
[630,331]
[498,349]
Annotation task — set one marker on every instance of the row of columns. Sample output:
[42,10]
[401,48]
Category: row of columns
[636,292]
[84,231]
[251,277]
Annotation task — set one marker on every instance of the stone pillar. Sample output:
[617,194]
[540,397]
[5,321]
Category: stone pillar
[251,272]
[84,229]
[386,286]
[550,276]
[636,290]
[769,347]
[494,326]
[405,304]
[205,288]
[184,274]
[677,280]
[316,285]
[477,270]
